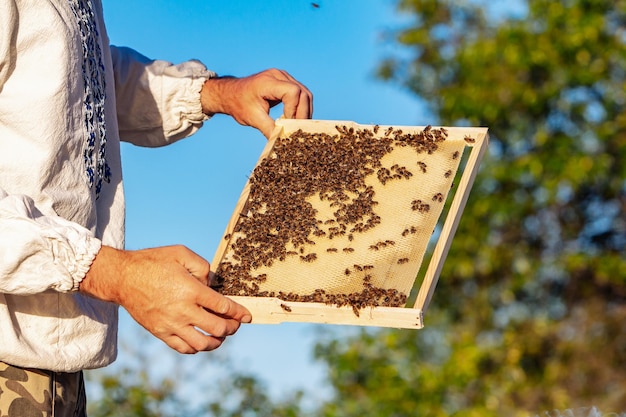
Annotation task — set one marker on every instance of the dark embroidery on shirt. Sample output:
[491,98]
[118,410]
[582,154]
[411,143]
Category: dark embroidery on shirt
[94,96]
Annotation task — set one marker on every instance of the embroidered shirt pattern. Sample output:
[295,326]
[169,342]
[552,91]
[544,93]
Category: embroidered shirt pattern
[96,167]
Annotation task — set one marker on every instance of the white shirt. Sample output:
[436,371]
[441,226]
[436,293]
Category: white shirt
[66,100]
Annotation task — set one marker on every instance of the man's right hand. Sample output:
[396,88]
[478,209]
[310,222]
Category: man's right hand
[165,290]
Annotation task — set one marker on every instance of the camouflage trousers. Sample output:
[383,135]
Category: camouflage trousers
[37,393]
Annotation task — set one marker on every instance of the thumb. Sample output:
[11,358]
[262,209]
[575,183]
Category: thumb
[194,263]
[264,123]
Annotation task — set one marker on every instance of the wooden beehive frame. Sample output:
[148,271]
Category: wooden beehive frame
[269,310]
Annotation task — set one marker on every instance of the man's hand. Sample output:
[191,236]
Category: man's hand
[249,99]
[165,290]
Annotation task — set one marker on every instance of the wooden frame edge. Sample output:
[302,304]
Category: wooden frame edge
[269,310]
[452,221]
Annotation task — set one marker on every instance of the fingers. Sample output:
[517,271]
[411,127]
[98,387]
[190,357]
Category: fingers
[193,342]
[223,306]
[296,102]
[192,262]
[165,290]
[278,86]
[249,99]
[208,328]
[296,98]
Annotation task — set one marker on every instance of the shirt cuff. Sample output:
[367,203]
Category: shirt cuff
[76,254]
[183,84]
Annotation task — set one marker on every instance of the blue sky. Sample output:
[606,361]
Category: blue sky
[185,193]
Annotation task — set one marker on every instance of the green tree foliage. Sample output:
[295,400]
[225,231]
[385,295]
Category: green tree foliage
[529,313]
[133,392]
[133,395]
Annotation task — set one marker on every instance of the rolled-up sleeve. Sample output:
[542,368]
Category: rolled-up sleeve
[157,102]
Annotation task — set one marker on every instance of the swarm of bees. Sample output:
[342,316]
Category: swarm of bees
[277,221]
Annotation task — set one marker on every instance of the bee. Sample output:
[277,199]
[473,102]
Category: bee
[416,204]
[285,307]
[227,237]
[403,261]
[347,271]
[448,173]
[331,250]
[348,250]
[455,155]
[309,258]
[422,166]
[438,197]
[376,129]
[469,139]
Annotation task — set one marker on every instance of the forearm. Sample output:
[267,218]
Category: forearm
[101,280]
